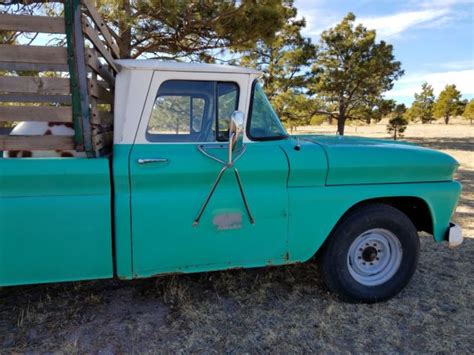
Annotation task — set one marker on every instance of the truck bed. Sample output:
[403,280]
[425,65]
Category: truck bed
[55,220]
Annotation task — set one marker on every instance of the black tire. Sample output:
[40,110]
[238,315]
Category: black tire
[336,266]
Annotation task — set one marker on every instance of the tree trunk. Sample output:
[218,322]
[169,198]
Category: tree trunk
[446,119]
[125,33]
[341,120]
[329,119]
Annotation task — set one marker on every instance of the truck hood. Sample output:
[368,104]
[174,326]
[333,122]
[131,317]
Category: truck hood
[356,160]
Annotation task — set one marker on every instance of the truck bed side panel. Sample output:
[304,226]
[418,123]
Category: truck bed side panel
[55,220]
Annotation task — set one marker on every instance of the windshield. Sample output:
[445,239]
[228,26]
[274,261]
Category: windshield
[264,123]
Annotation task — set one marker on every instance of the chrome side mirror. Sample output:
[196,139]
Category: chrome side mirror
[236,134]
[236,150]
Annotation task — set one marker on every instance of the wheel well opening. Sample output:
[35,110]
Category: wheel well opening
[416,209]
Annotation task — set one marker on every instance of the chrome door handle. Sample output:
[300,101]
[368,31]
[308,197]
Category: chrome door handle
[157,160]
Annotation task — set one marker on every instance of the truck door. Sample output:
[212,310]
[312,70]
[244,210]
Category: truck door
[171,173]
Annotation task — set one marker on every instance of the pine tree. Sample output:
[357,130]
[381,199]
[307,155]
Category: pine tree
[422,107]
[397,124]
[448,103]
[469,111]
[352,70]
[283,62]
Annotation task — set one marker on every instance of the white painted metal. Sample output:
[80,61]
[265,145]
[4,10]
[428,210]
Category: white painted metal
[138,81]
[159,65]
[374,257]
[131,90]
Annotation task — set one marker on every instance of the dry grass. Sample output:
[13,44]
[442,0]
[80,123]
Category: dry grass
[283,309]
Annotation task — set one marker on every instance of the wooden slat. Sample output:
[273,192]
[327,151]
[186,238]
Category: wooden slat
[36,143]
[14,66]
[33,54]
[59,99]
[103,70]
[34,85]
[92,35]
[97,91]
[102,26]
[27,23]
[102,140]
[35,113]
[101,117]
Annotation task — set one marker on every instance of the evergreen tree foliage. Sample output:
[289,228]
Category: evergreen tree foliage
[285,63]
[192,29]
[469,111]
[397,124]
[448,103]
[352,70]
[422,108]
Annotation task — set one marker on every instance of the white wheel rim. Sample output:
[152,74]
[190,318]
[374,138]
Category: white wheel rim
[374,257]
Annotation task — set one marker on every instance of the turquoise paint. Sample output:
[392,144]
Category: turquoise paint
[314,211]
[55,222]
[355,160]
[296,195]
[166,198]
[122,211]
[54,177]
[308,163]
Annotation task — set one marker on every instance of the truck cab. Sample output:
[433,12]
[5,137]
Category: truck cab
[203,176]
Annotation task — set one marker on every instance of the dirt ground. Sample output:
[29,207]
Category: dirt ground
[282,309]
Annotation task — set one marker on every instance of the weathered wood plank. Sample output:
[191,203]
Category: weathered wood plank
[59,99]
[34,85]
[13,66]
[102,140]
[101,117]
[102,26]
[33,54]
[36,142]
[103,70]
[99,92]
[92,35]
[35,113]
[27,23]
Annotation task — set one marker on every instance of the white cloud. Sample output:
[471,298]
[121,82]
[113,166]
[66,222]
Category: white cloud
[416,14]
[408,85]
[452,65]
[392,25]
[440,3]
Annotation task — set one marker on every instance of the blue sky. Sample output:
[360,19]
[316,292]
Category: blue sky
[434,39]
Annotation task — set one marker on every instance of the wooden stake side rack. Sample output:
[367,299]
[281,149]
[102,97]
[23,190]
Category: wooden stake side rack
[71,84]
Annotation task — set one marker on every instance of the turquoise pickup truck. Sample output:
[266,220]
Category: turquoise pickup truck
[204,177]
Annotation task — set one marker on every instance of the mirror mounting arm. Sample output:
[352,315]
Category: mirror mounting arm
[235,146]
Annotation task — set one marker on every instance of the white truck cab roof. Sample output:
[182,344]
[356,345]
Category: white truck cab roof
[138,81]
[154,64]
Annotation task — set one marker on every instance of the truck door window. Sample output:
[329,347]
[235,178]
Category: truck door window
[192,111]
[263,123]
[227,101]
